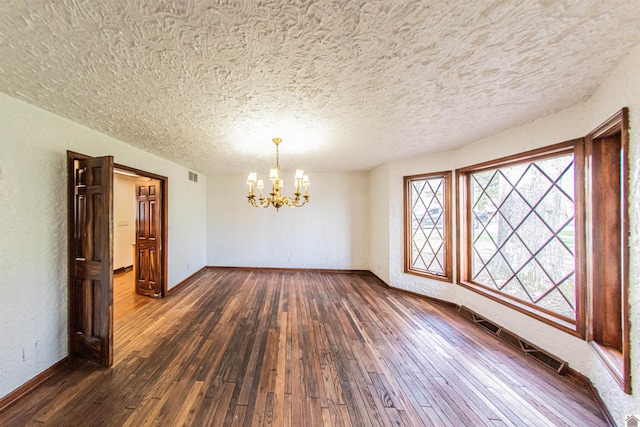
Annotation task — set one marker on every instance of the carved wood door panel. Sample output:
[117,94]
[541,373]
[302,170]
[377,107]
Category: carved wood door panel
[91,257]
[148,239]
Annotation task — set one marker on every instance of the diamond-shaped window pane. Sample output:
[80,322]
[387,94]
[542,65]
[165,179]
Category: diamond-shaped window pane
[534,233]
[427,216]
[568,290]
[513,173]
[556,209]
[485,278]
[556,302]
[435,188]
[523,232]
[533,185]
[497,228]
[482,178]
[515,289]
[514,209]
[556,260]
[435,239]
[553,167]
[567,236]
[499,269]
[418,262]
[535,280]
[419,236]
[515,252]
[566,183]
[498,189]
[484,247]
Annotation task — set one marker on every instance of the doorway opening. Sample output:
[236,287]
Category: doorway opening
[140,252]
[92,227]
[137,240]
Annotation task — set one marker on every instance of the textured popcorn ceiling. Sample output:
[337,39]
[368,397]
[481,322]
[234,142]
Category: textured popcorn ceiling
[348,85]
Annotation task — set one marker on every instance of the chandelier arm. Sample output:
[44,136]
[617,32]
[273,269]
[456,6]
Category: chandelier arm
[263,202]
[294,202]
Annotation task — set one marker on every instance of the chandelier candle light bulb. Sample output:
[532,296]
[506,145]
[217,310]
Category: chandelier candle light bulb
[276,199]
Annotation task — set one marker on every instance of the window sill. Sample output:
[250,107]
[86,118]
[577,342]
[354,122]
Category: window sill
[429,275]
[613,360]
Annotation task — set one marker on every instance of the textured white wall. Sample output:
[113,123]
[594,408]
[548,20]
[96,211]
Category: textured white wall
[33,230]
[124,219]
[379,222]
[329,232]
[621,89]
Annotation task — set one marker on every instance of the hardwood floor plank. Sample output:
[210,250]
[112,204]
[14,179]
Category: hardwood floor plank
[344,415]
[238,416]
[254,365]
[280,374]
[187,409]
[125,298]
[288,348]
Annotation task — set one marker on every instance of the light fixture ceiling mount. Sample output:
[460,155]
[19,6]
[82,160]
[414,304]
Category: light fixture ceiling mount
[276,199]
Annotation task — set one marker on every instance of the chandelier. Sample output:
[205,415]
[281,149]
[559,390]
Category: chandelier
[276,199]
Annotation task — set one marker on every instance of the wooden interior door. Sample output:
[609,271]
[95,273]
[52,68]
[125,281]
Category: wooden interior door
[91,257]
[148,239]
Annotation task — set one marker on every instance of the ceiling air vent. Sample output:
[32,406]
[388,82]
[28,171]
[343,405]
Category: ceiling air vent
[193,176]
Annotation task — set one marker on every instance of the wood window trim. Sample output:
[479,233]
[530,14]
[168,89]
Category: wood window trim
[527,156]
[463,230]
[448,227]
[616,359]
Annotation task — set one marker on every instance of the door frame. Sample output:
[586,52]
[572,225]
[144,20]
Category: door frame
[164,223]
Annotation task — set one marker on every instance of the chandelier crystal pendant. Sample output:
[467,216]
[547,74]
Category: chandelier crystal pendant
[276,199]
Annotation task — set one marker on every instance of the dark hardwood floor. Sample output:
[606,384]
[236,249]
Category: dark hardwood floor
[255,347]
[125,298]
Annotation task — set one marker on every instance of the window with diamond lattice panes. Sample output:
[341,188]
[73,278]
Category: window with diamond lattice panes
[523,232]
[546,232]
[427,225]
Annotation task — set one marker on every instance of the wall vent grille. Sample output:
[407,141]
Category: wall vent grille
[193,176]
[546,358]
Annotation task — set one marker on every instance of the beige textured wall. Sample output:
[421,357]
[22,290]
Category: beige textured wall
[331,231]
